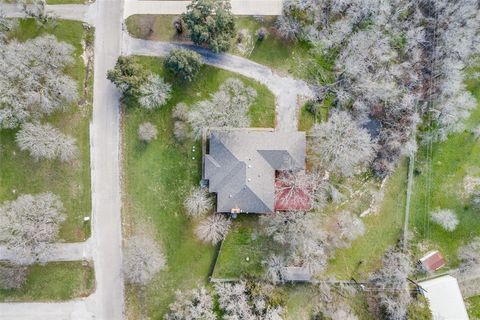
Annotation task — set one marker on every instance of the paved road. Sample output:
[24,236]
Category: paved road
[59,252]
[239,7]
[107,302]
[105,139]
[286,89]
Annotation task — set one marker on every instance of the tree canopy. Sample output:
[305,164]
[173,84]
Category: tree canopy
[210,23]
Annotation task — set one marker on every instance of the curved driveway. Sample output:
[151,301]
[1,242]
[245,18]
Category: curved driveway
[286,89]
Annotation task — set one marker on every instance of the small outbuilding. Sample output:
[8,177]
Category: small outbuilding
[432,261]
[444,297]
[296,274]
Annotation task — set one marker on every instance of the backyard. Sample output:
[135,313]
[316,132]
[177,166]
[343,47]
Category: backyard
[157,177]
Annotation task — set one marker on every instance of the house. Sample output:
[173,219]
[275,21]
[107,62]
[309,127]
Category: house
[432,261]
[241,164]
[444,297]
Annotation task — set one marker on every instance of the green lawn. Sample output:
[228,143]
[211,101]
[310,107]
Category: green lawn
[21,174]
[473,307]
[243,250]
[451,161]
[272,52]
[157,177]
[55,281]
[382,230]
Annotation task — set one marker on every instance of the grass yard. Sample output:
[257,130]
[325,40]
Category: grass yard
[451,161]
[473,307]
[158,176]
[273,52]
[55,281]
[243,250]
[20,174]
[382,230]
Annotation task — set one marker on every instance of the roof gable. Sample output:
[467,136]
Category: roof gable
[241,164]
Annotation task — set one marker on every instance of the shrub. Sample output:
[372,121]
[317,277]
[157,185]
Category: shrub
[180,131]
[180,112]
[445,218]
[213,229]
[12,276]
[142,260]
[184,64]
[198,202]
[147,132]
[154,92]
[128,75]
[262,34]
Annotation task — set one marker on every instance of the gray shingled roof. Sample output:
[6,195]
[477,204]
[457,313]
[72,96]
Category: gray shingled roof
[241,165]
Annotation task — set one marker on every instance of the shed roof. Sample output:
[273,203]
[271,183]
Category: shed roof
[299,274]
[432,261]
[241,165]
[445,298]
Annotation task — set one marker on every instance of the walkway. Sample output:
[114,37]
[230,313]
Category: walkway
[72,310]
[59,252]
[286,89]
[239,7]
[79,12]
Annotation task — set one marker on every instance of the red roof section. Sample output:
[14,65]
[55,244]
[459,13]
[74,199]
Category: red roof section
[288,198]
[432,261]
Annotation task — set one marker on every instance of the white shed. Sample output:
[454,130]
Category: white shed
[445,298]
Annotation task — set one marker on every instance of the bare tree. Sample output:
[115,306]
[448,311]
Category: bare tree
[274,268]
[12,276]
[294,188]
[147,132]
[36,9]
[198,202]
[6,26]
[195,304]
[43,141]
[32,80]
[346,228]
[234,300]
[393,296]
[228,107]
[242,300]
[469,255]
[445,218]
[143,259]
[29,223]
[213,229]
[303,237]
[340,145]
[180,112]
[155,92]
[180,131]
